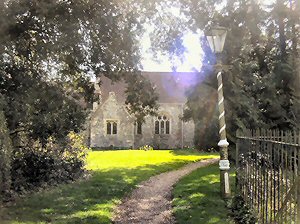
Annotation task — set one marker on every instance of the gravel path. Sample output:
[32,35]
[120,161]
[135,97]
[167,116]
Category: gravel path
[151,201]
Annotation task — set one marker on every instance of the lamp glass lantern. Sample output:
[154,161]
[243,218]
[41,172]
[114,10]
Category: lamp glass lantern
[216,38]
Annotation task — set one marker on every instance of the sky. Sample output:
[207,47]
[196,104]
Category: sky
[191,41]
[192,55]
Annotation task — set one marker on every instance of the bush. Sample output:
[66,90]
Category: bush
[36,165]
[146,148]
[241,213]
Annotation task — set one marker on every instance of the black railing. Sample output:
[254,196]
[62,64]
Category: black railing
[268,174]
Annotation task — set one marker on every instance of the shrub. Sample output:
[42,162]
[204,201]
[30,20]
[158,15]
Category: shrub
[146,148]
[241,213]
[55,162]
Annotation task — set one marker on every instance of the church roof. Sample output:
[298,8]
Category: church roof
[172,87]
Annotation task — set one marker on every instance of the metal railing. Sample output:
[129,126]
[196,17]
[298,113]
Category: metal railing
[268,174]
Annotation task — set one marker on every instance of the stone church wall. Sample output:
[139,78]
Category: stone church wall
[112,110]
[174,139]
[181,133]
[146,138]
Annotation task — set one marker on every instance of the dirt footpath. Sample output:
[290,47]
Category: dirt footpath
[151,202]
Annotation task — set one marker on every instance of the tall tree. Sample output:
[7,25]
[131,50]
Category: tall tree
[261,41]
[51,48]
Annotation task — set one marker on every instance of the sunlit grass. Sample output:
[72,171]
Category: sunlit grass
[135,158]
[114,174]
[197,198]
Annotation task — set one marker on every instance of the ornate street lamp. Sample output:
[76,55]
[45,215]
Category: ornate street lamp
[216,38]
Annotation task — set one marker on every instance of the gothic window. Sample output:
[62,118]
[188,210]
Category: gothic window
[111,127]
[157,127]
[114,128]
[138,128]
[162,125]
[108,128]
[167,127]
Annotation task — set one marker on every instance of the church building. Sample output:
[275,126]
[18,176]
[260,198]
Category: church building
[112,127]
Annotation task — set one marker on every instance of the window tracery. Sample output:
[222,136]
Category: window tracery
[162,125]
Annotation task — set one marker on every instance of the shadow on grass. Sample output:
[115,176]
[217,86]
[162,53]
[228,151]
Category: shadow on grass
[90,201]
[197,198]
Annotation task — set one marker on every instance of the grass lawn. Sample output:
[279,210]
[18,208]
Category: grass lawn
[197,198]
[114,174]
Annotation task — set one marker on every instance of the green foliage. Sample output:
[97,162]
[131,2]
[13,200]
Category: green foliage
[38,164]
[146,148]
[68,41]
[47,112]
[241,213]
[38,111]
[141,97]
[260,88]
[113,175]
[262,45]
[48,52]
[5,155]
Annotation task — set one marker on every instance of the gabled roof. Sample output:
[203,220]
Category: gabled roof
[172,87]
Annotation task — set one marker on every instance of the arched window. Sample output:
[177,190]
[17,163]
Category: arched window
[111,127]
[115,130]
[157,127]
[162,125]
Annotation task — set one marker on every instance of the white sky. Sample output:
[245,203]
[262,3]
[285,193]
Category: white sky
[192,57]
[191,41]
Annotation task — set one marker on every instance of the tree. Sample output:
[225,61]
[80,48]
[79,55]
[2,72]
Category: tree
[259,89]
[49,50]
[55,45]
[71,38]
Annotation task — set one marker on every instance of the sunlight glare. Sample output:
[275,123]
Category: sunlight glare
[191,58]
[193,53]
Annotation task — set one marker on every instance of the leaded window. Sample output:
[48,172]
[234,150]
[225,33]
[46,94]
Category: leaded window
[162,125]
[111,127]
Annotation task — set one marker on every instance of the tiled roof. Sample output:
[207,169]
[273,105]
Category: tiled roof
[171,86]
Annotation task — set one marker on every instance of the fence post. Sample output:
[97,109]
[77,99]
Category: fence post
[237,145]
[298,196]
[298,180]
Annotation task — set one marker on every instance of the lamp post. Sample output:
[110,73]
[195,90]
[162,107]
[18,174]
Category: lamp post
[216,38]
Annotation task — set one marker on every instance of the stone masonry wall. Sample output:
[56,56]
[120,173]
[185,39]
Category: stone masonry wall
[181,133]
[112,110]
